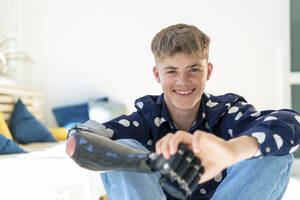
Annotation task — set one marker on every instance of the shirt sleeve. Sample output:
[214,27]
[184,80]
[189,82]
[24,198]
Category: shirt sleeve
[129,127]
[277,132]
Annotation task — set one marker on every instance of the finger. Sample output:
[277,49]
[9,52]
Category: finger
[164,147]
[209,173]
[159,143]
[196,141]
[180,137]
[198,137]
[157,146]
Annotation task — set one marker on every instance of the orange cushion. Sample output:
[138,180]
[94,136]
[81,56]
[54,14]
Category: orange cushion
[59,133]
[3,127]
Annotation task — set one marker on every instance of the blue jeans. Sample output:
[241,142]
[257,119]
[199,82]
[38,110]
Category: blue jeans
[256,179]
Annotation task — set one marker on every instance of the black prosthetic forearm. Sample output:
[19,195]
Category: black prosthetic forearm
[98,153]
[179,175]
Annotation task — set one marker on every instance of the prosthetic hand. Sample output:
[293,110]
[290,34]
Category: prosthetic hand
[89,149]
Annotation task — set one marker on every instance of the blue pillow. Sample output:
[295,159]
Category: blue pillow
[7,146]
[67,116]
[25,128]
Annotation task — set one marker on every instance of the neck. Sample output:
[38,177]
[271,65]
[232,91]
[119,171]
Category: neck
[184,119]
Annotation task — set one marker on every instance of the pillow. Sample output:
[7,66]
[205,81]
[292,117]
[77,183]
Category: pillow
[103,111]
[3,127]
[68,116]
[7,146]
[25,128]
[59,133]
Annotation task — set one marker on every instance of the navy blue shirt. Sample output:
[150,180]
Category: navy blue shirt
[226,116]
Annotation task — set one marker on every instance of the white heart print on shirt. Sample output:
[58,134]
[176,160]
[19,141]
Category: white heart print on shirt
[260,136]
[294,148]
[256,114]
[124,122]
[218,178]
[238,116]
[269,118]
[233,109]
[135,123]
[140,104]
[297,118]
[158,121]
[211,104]
[278,140]
[230,132]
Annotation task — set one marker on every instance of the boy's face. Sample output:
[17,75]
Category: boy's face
[183,79]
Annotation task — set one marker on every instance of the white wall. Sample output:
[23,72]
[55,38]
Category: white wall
[90,48]
[25,22]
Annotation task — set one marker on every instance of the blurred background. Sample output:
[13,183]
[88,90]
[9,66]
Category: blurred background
[80,53]
[75,50]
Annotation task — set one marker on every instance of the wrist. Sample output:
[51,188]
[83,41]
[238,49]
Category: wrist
[244,147]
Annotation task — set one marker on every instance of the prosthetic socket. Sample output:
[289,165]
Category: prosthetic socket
[91,150]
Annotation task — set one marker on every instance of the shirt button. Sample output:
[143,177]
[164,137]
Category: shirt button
[149,142]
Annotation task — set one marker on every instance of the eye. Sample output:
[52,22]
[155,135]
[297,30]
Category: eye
[194,70]
[171,72]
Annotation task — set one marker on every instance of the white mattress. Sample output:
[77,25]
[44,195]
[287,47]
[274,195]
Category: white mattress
[46,174]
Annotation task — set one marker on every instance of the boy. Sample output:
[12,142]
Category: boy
[223,131]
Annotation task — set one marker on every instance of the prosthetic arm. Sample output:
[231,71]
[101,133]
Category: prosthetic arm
[88,147]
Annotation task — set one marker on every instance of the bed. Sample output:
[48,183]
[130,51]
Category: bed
[45,172]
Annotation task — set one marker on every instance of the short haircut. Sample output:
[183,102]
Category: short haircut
[180,38]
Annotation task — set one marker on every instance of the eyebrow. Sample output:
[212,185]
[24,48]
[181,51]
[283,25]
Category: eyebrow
[190,66]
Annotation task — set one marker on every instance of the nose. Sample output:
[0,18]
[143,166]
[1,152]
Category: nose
[182,79]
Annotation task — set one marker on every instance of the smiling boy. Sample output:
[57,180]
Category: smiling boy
[182,72]
[182,78]
[246,153]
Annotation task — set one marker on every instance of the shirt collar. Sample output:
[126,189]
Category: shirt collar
[165,112]
[167,116]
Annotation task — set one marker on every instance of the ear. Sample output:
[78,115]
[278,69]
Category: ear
[209,70]
[156,74]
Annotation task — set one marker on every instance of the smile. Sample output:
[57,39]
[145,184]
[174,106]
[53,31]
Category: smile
[183,92]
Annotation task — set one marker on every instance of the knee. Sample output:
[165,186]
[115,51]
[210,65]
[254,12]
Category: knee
[284,161]
[265,165]
[280,161]
[280,165]
[256,175]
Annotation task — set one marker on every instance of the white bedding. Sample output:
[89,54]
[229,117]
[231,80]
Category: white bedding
[46,174]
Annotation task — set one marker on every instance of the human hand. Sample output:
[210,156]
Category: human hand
[168,145]
[215,153]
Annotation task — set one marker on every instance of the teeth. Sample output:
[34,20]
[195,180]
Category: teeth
[183,92]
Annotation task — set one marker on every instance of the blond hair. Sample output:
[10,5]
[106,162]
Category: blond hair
[180,38]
